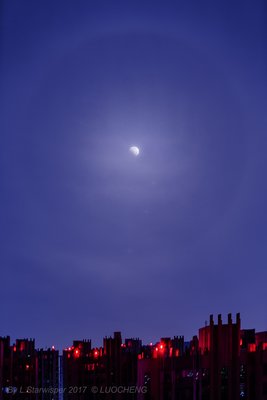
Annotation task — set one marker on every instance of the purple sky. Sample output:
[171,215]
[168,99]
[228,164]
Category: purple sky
[94,239]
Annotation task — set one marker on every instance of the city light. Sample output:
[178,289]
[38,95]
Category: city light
[76,353]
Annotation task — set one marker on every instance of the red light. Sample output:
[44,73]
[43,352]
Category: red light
[77,353]
[157,349]
[264,346]
[53,347]
[241,342]
[27,366]
[161,347]
[15,348]
[252,347]
[69,348]
[96,353]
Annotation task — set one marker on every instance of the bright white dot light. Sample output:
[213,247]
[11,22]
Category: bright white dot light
[134,150]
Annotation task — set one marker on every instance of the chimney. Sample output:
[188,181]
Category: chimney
[211,320]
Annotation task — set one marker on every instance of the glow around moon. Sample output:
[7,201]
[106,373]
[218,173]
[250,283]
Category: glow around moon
[134,150]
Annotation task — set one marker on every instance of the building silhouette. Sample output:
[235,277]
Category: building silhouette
[222,362]
[27,373]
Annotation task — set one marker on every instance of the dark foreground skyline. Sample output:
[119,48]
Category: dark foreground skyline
[99,342]
[221,362]
[95,239]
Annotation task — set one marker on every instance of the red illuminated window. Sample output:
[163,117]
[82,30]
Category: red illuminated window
[76,353]
[252,347]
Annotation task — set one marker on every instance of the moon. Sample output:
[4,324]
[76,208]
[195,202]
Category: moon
[134,150]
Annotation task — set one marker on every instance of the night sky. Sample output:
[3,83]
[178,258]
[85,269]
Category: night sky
[94,239]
